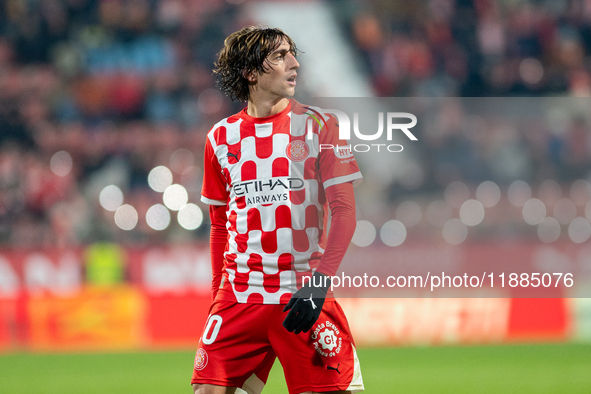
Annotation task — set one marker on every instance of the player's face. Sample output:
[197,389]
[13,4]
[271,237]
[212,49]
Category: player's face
[280,80]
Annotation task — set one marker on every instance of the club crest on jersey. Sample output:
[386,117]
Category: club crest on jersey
[200,359]
[327,339]
[297,150]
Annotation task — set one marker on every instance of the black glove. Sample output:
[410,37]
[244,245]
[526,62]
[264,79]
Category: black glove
[306,304]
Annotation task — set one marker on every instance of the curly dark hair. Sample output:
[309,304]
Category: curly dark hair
[246,51]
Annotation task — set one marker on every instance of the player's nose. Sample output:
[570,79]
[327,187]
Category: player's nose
[293,62]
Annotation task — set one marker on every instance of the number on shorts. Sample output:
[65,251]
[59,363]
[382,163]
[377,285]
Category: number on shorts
[216,322]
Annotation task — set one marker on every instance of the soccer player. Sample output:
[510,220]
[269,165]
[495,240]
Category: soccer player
[271,192]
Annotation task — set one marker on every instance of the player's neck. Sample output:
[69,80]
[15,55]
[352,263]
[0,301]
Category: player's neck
[264,108]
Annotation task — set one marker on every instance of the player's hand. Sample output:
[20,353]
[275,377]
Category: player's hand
[306,304]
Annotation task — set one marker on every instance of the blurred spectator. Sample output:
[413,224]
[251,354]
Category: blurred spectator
[475,48]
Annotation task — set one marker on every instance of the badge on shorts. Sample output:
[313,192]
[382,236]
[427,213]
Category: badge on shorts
[200,359]
[297,150]
[327,340]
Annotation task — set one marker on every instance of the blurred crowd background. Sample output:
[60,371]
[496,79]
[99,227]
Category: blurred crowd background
[94,95]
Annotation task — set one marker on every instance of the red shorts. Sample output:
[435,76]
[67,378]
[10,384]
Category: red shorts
[240,342]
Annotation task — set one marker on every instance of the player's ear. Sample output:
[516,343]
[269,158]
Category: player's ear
[250,77]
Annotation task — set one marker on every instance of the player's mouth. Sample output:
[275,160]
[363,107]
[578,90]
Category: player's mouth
[292,80]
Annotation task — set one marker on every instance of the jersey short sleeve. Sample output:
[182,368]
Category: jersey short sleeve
[215,189]
[336,162]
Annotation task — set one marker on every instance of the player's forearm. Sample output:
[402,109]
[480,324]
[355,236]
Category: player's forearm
[218,239]
[341,201]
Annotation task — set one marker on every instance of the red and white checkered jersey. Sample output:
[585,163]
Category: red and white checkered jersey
[271,176]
